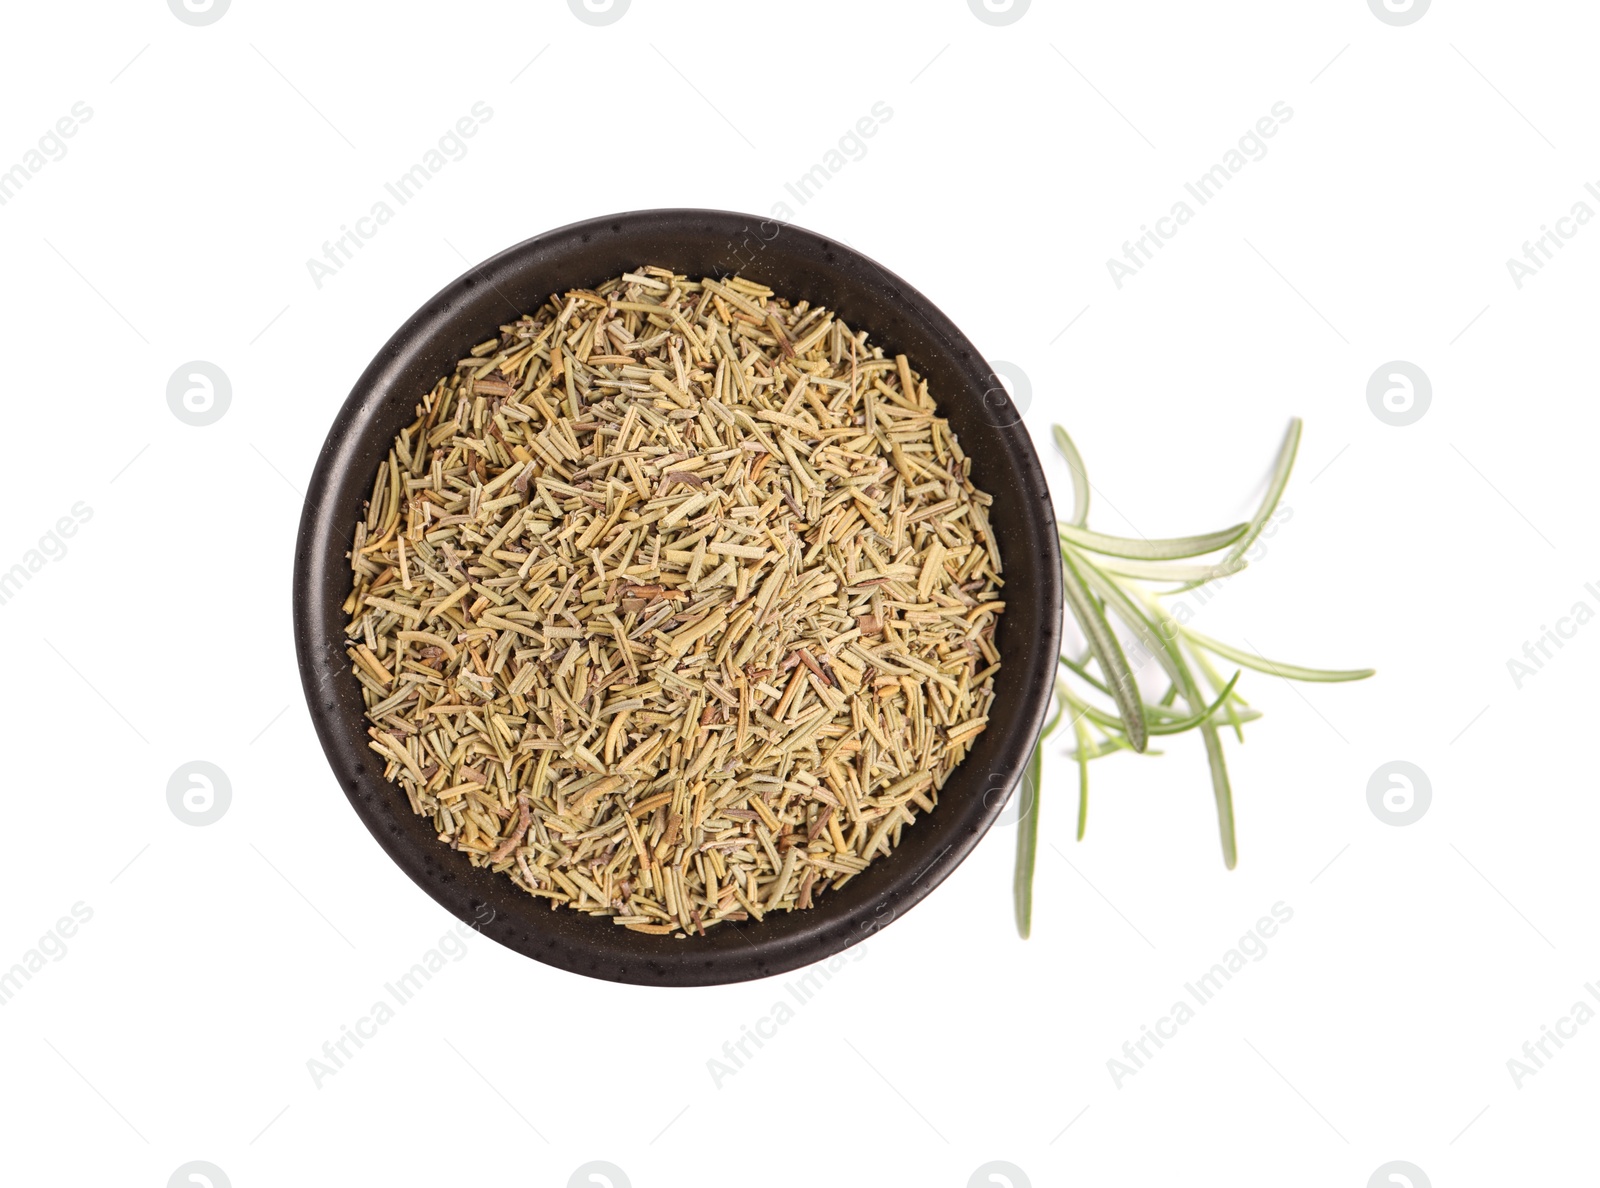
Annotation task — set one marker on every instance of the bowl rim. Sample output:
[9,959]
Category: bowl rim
[492,904]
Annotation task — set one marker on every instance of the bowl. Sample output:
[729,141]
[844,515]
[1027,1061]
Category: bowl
[797,264]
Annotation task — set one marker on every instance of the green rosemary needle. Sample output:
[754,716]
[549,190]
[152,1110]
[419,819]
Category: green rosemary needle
[1111,579]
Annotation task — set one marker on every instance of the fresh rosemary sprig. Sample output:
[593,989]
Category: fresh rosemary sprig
[1111,577]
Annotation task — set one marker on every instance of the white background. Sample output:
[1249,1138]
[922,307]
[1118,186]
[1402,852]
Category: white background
[1419,960]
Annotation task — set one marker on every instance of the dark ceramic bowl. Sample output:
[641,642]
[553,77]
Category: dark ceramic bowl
[797,264]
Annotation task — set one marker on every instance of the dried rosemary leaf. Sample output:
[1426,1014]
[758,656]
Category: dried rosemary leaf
[675,603]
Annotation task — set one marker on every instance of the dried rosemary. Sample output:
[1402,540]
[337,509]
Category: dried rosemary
[675,603]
